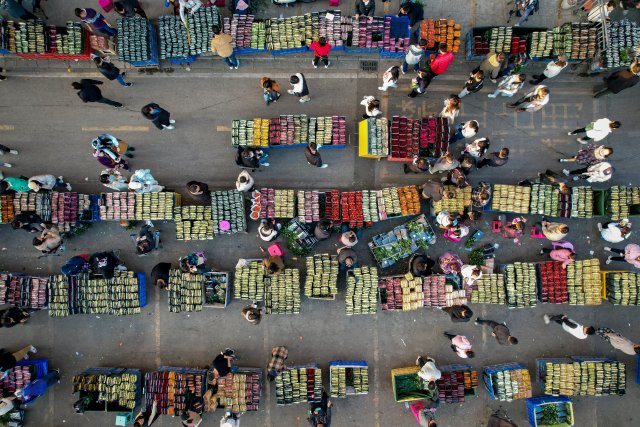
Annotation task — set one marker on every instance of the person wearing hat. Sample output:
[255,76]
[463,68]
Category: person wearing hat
[320,413]
[199,192]
[47,182]
[347,258]
[322,231]
[160,275]
[252,313]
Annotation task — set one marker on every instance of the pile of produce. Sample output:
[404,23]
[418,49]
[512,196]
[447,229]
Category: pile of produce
[169,388]
[283,292]
[299,385]
[583,282]
[351,203]
[322,276]
[624,37]
[621,199]
[133,39]
[347,380]
[154,206]
[332,206]
[542,44]
[576,40]
[215,289]
[228,206]
[64,210]
[16,378]
[121,388]
[327,24]
[59,296]
[6,208]
[242,134]
[393,44]
[458,203]
[588,378]
[193,222]
[500,39]
[258,36]
[300,238]
[68,42]
[173,37]
[329,130]
[401,292]
[439,293]
[29,37]
[240,28]
[434,137]
[511,198]
[622,288]
[23,291]
[553,282]
[362,289]
[200,27]
[491,290]
[409,200]
[248,282]
[378,136]
[581,202]
[405,138]
[544,200]
[117,206]
[521,285]
[564,204]
[402,241]
[40,203]
[289,130]
[185,291]
[389,202]
[287,33]
[370,209]
[240,391]
[363,31]
[457,383]
[308,206]
[440,32]
[510,384]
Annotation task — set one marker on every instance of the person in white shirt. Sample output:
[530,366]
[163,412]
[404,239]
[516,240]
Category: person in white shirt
[349,239]
[244,182]
[390,78]
[615,232]
[596,131]
[371,107]
[465,130]
[571,326]
[7,405]
[600,172]
[428,370]
[477,148]
[460,345]
[533,101]
[509,85]
[414,56]
[601,12]
[470,273]
[618,342]
[192,5]
[552,70]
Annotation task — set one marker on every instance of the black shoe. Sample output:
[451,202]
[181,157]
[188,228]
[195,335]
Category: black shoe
[132,148]
[129,156]
[511,105]
[3,78]
[405,167]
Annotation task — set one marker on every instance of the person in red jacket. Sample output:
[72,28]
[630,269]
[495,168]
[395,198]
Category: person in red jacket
[440,64]
[321,51]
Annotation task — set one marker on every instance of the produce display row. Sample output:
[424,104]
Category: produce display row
[193,222]
[511,198]
[622,287]
[348,378]
[456,383]
[185,291]
[621,200]
[361,294]
[584,282]
[248,281]
[272,203]
[553,283]
[240,391]
[289,130]
[34,39]
[169,387]
[134,39]
[40,203]
[228,206]
[576,41]
[388,248]
[24,291]
[507,382]
[282,292]
[245,31]
[322,276]
[520,280]
[401,292]
[460,201]
[438,32]
[16,378]
[490,289]
[623,36]
[115,390]
[582,377]
[299,385]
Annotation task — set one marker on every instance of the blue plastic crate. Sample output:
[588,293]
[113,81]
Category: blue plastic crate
[385,54]
[288,145]
[490,370]
[591,359]
[41,366]
[153,50]
[349,363]
[323,146]
[248,51]
[188,60]
[456,367]
[534,405]
[356,49]
[142,288]
[290,51]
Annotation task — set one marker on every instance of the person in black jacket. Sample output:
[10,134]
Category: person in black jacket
[13,316]
[129,8]
[620,80]
[365,8]
[415,13]
[199,192]
[105,263]
[27,220]
[88,91]
[109,70]
[313,157]
[459,313]
[159,116]
[160,275]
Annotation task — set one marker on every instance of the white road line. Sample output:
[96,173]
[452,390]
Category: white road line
[7,127]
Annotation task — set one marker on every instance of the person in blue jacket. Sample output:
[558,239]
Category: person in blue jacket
[37,388]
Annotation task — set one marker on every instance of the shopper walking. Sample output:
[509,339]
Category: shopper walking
[600,12]
[553,69]
[252,313]
[371,107]
[620,80]
[533,101]
[589,155]
[459,313]
[96,21]
[509,85]
[615,232]
[320,49]
[495,159]
[147,417]
[445,163]
[440,64]
[465,130]
[160,117]
[571,326]
[418,165]
[554,231]
[618,342]
[88,91]
[110,142]
[48,182]
[6,150]
[461,345]
[16,10]
[191,5]
[109,70]
[474,84]
[451,108]
[419,84]
[631,254]
[596,131]
[500,331]
[244,182]
[222,44]
[365,8]
[600,172]
[129,8]
[414,55]
[270,90]
[415,13]
[561,252]
[478,148]
[300,88]
[389,78]
[320,412]
[313,156]
[492,64]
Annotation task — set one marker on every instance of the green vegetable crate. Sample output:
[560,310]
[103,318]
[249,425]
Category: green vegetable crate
[407,385]
[348,377]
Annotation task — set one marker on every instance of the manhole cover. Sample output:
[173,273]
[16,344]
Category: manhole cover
[369,66]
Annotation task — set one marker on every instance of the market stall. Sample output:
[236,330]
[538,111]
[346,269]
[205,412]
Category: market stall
[396,36]
[584,282]
[108,390]
[299,384]
[507,381]
[240,391]
[25,291]
[173,40]
[361,294]
[373,138]
[402,241]
[137,42]
[348,378]
[169,388]
[185,291]
[248,281]
[364,34]
[552,284]
[273,203]
[510,40]
[460,201]
[282,292]
[299,236]
[582,376]
[621,287]
[458,382]
[439,32]
[248,35]
[521,284]
[322,277]
[490,289]
[34,39]
[547,411]
[408,386]
[227,209]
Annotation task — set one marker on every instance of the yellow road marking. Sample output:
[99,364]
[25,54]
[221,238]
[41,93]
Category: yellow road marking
[117,129]
[7,127]
[223,128]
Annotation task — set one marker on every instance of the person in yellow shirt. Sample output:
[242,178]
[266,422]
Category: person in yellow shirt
[222,44]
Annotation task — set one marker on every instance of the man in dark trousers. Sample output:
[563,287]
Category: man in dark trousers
[88,91]
[160,274]
[415,13]
[159,116]
[500,331]
[109,70]
[313,157]
[300,88]
[129,8]
[320,413]
[495,159]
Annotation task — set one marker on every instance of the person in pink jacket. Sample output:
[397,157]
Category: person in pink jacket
[460,345]
[631,254]
[562,252]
